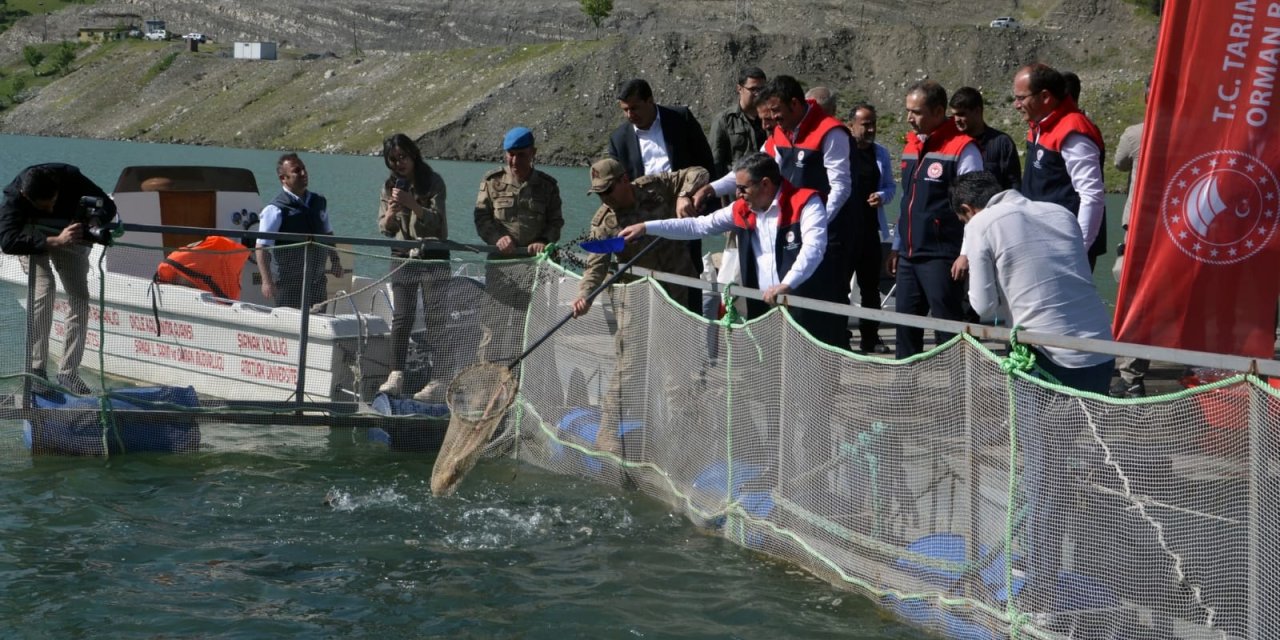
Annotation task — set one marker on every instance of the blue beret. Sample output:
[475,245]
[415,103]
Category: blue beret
[517,138]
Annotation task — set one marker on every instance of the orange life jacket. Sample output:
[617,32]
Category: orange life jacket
[213,264]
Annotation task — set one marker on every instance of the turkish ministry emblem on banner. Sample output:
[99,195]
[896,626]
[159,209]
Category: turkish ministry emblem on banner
[1206,226]
[1202,269]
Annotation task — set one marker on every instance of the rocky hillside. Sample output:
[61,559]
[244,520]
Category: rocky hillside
[459,73]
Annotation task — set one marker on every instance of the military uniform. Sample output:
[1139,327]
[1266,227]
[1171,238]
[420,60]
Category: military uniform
[655,200]
[528,212]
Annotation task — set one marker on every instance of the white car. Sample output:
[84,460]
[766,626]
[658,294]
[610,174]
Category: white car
[198,37]
[1004,22]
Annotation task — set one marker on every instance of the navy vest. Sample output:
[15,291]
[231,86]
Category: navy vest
[927,225]
[1045,176]
[299,217]
[801,164]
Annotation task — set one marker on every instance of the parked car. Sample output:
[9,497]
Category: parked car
[198,37]
[1004,22]
[156,35]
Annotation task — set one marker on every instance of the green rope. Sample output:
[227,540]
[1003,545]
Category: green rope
[731,315]
[105,418]
[117,229]
[728,436]
[548,251]
[1021,358]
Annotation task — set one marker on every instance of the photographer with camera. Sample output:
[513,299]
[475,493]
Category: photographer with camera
[51,214]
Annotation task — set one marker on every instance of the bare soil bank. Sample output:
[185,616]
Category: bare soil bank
[458,74]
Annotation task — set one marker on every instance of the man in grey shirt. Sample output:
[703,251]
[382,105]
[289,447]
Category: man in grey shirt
[1133,371]
[1023,266]
[1029,258]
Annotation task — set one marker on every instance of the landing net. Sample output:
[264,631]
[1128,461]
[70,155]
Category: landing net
[952,489]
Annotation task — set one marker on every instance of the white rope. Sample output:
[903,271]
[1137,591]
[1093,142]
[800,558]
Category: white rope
[1138,504]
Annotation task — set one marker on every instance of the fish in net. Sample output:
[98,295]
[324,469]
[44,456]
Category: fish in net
[478,399]
[479,396]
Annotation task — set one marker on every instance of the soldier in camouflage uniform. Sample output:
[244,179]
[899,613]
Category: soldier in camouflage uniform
[624,202]
[518,207]
[517,210]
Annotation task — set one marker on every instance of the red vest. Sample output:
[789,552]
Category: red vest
[801,161]
[791,202]
[1044,174]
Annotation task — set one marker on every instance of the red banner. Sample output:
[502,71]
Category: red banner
[1202,268]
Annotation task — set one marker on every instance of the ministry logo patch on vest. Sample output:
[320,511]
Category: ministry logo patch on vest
[935,171]
[1039,157]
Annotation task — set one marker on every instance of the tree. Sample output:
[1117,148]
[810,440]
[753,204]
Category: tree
[597,11]
[14,92]
[63,56]
[32,55]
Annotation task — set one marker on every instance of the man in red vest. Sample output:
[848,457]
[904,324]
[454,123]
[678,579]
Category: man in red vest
[781,231]
[926,246]
[811,149]
[1064,153]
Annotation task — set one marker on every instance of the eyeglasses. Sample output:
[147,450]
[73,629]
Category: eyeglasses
[742,188]
[754,90]
[1017,99]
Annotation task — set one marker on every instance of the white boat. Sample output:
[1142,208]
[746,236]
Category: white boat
[242,349]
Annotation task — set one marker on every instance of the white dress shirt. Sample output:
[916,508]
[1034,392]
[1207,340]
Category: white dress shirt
[813,237]
[653,147]
[1027,264]
[1084,166]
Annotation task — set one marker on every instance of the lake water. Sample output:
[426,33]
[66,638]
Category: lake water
[233,545]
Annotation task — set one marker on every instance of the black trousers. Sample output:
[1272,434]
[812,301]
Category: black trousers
[925,287]
[865,264]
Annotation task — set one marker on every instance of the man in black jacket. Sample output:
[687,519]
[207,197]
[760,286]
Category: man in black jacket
[42,219]
[656,139]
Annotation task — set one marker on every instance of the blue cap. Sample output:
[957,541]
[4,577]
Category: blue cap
[517,138]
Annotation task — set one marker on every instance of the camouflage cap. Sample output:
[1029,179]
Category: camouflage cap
[604,173]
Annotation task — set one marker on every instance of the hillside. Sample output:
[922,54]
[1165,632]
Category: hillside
[459,73]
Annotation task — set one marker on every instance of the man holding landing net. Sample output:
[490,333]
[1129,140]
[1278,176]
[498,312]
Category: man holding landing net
[623,203]
[781,231]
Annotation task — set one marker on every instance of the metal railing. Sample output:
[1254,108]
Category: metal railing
[980,331]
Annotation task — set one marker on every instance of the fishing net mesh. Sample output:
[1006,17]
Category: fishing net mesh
[478,400]
[953,489]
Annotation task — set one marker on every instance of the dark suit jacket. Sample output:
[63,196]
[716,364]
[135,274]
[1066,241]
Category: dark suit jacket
[686,143]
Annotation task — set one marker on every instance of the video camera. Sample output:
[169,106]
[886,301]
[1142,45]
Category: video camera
[94,217]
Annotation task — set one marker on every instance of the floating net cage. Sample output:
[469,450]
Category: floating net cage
[961,494]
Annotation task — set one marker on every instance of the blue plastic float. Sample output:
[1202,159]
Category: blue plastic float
[85,433]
